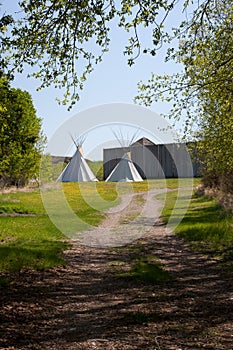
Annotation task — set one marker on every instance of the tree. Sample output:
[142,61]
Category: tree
[21,139]
[204,91]
[63,40]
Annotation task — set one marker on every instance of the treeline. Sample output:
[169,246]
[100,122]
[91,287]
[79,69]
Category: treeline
[21,138]
[54,39]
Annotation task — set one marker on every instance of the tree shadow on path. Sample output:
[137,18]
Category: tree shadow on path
[90,305]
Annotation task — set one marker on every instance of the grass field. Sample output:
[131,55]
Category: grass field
[29,239]
[206,225]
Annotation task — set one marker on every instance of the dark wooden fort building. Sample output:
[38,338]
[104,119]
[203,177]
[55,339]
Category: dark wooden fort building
[155,161]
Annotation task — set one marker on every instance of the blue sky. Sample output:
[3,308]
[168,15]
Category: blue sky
[112,81]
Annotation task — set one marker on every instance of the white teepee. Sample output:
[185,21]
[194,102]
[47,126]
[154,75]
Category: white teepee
[77,169]
[124,171]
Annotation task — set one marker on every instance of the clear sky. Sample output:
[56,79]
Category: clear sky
[112,81]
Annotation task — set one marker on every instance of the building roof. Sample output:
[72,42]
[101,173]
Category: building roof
[143,141]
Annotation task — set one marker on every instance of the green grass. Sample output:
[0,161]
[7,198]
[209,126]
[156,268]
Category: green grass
[30,242]
[31,254]
[21,202]
[97,168]
[34,241]
[146,271]
[126,187]
[206,224]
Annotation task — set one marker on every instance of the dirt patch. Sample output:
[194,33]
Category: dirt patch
[14,189]
[19,214]
[88,305]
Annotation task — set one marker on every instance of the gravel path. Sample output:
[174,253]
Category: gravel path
[89,305]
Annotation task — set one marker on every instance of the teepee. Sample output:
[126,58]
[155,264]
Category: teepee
[124,171]
[77,170]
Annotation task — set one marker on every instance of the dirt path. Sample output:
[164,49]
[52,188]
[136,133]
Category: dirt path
[88,305]
[125,223]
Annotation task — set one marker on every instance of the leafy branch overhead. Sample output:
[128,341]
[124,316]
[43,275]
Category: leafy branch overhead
[202,94]
[205,51]
[63,40]
[203,91]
